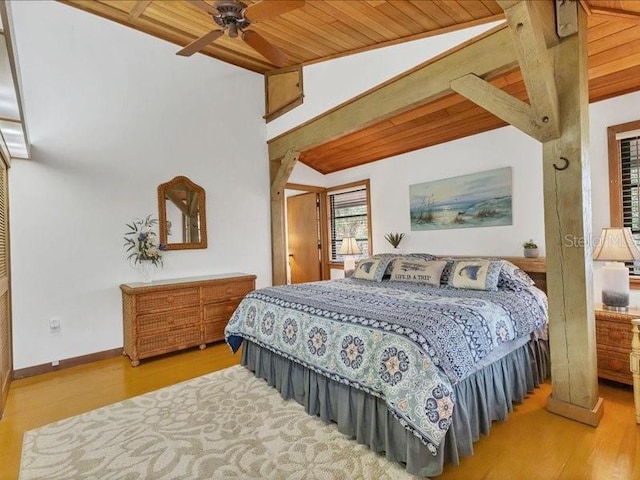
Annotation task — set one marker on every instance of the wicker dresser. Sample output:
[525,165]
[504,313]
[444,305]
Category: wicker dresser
[170,315]
[613,341]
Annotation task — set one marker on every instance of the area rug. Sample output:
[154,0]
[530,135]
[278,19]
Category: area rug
[224,425]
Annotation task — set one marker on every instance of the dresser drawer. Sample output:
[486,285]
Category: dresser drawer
[217,311]
[613,364]
[616,334]
[159,322]
[149,345]
[149,302]
[214,331]
[226,291]
[216,317]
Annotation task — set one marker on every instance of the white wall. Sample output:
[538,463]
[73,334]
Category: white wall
[112,113]
[625,108]
[328,84]
[390,180]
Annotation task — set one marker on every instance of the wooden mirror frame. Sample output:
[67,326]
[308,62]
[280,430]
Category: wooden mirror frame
[162,214]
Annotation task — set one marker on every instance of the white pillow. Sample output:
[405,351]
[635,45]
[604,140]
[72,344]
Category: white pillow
[475,274]
[371,269]
[408,269]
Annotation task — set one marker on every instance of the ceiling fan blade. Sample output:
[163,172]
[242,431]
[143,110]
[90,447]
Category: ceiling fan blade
[200,43]
[263,47]
[266,9]
[139,8]
[202,5]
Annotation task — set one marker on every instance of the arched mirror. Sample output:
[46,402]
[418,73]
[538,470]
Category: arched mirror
[182,218]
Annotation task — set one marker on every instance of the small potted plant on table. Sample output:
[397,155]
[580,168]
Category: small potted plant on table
[530,249]
[394,239]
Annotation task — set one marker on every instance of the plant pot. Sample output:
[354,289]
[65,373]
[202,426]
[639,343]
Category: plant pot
[531,252]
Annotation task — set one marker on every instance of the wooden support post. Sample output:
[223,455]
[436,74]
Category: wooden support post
[634,360]
[567,194]
[280,172]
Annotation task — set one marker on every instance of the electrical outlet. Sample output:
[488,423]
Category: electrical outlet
[54,324]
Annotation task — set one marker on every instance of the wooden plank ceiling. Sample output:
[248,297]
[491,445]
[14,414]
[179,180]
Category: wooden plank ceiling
[325,29]
[318,31]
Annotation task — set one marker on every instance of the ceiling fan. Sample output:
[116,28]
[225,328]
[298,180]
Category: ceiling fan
[234,17]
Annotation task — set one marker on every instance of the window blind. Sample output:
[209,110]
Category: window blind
[630,165]
[348,218]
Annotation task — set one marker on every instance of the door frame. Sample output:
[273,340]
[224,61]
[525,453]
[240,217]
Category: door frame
[325,271]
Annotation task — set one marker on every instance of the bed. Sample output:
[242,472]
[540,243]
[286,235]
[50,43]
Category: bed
[414,356]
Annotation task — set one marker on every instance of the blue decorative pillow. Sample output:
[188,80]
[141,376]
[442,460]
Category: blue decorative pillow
[372,268]
[513,278]
[475,274]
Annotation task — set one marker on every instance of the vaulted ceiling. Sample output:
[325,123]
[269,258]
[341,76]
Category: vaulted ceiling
[319,30]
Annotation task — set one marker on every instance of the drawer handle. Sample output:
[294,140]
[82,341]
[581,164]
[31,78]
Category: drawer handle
[229,290]
[617,366]
[169,299]
[616,335]
[230,309]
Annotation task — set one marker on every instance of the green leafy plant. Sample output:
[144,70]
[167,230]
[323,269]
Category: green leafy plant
[141,242]
[530,244]
[394,238]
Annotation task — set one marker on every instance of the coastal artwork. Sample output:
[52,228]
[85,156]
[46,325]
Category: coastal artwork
[480,199]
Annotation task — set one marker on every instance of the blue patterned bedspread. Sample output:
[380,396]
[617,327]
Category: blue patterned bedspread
[403,342]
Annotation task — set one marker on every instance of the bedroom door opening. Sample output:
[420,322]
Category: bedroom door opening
[306,231]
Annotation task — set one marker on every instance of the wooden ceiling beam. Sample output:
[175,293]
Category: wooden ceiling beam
[177,201]
[617,14]
[502,105]
[139,8]
[487,55]
[527,26]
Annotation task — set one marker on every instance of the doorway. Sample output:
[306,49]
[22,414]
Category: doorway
[306,234]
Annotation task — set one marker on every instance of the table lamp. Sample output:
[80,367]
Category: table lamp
[349,248]
[615,247]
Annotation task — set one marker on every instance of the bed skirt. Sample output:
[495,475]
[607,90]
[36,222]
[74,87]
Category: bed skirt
[485,396]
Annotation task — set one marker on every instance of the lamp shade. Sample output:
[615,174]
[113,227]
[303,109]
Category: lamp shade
[349,247]
[616,245]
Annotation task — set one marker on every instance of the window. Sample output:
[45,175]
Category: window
[348,215]
[624,181]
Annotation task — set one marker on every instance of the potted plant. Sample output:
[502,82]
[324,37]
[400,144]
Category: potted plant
[143,249]
[530,249]
[394,238]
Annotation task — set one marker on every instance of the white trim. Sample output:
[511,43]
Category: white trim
[629,134]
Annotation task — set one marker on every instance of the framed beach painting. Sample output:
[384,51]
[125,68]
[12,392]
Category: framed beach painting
[480,199]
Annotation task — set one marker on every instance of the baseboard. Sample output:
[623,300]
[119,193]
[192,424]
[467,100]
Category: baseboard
[69,362]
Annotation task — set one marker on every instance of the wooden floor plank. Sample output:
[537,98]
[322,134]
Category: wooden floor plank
[532,444]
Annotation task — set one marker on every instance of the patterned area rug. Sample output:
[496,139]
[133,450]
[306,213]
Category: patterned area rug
[223,425]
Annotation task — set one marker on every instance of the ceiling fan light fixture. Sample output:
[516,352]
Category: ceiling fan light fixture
[233,30]
[231,16]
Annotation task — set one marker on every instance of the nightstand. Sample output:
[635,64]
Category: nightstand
[613,342]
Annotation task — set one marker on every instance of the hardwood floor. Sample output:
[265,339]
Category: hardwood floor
[532,444]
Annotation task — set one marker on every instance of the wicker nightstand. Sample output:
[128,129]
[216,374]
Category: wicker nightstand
[613,341]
